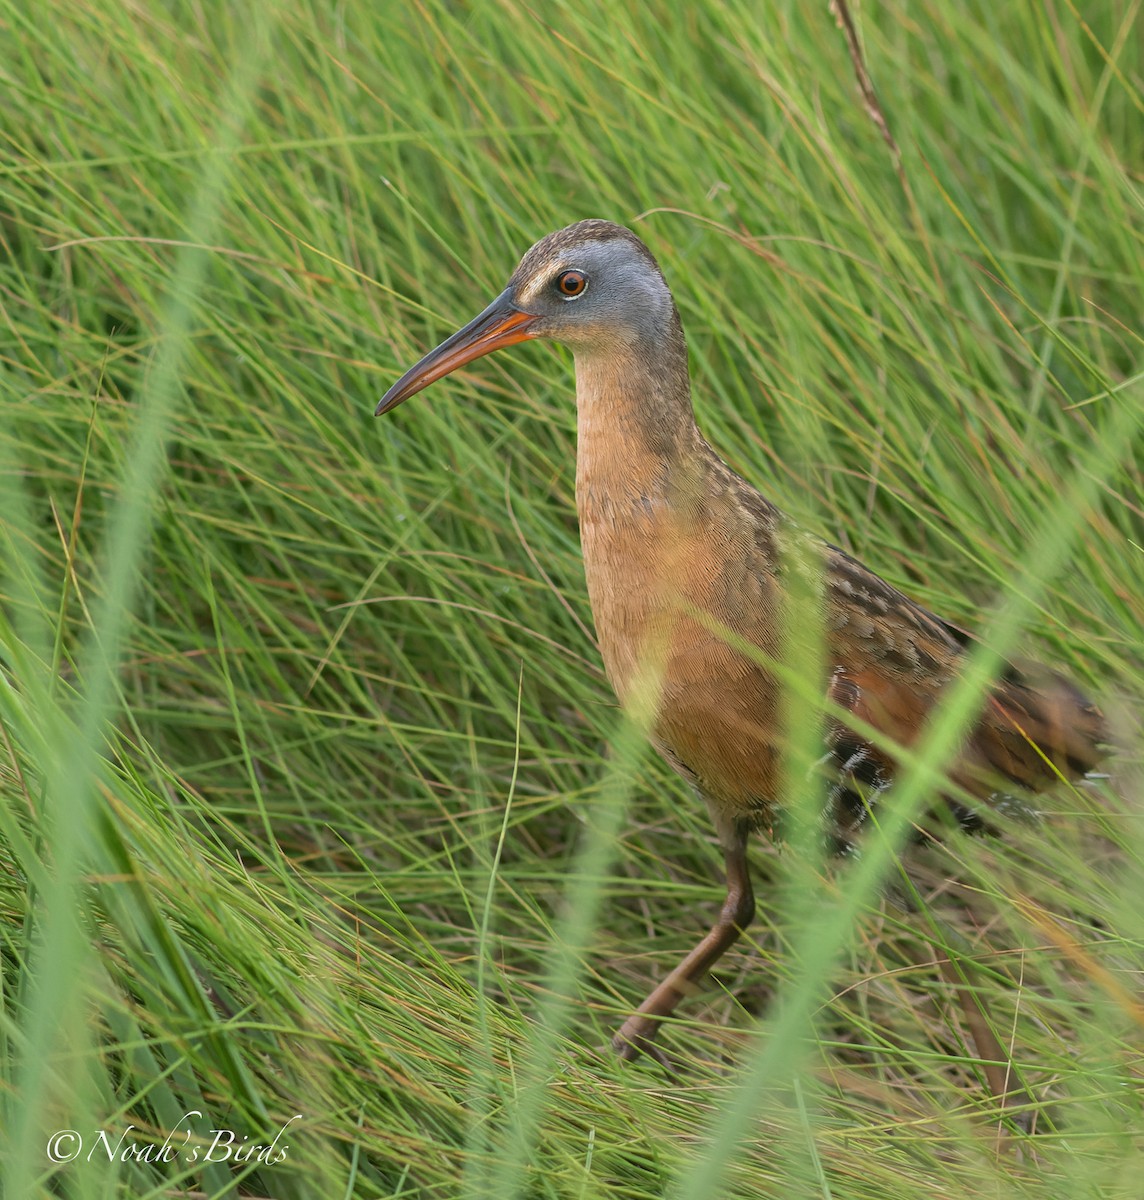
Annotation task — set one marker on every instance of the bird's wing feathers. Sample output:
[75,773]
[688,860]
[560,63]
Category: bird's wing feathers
[894,658]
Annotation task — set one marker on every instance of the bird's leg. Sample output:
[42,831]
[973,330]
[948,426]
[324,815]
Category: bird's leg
[638,1032]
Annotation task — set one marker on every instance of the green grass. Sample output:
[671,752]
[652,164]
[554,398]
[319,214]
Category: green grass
[316,800]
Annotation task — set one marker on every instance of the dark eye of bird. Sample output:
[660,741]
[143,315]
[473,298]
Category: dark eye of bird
[572,283]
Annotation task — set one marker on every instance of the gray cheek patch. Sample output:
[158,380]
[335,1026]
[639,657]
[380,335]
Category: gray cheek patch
[631,293]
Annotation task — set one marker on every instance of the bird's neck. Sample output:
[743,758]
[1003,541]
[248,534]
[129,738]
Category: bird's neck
[643,482]
[637,442]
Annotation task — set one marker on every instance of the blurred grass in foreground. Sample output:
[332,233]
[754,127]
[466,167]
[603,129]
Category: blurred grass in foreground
[302,722]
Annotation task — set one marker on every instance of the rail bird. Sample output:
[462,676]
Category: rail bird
[687,566]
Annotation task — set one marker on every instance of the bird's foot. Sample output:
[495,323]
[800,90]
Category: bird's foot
[636,1037]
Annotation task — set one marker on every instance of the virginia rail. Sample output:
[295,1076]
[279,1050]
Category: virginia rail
[679,550]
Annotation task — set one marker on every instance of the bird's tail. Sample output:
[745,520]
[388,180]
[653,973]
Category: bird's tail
[1037,727]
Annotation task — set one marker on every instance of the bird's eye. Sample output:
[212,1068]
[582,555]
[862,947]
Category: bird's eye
[572,284]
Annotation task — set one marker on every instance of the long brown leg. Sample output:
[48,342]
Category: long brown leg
[638,1032]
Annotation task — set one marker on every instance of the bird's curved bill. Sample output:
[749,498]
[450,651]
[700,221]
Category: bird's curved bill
[501,324]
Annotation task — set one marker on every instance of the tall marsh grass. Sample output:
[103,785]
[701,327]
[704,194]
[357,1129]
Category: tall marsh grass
[316,803]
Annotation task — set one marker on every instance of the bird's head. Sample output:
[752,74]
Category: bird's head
[593,286]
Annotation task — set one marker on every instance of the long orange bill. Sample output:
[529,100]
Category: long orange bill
[501,324]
